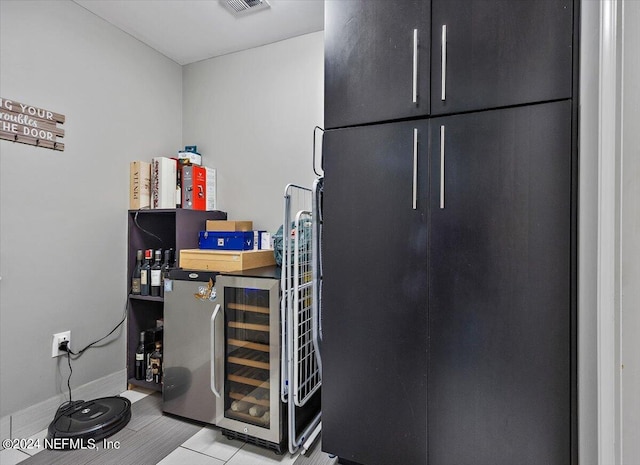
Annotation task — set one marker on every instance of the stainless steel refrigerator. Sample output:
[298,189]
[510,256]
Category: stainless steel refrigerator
[189,302]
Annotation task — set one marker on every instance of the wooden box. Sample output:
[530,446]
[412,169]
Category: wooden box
[139,185]
[225,260]
[218,225]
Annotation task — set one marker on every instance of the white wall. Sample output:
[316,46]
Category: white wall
[252,115]
[609,316]
[630,234]
[63,214]
[587,232]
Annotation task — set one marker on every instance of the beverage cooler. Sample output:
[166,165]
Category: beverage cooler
[245,335]
[223,357]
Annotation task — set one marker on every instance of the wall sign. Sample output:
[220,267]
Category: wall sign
[30,125]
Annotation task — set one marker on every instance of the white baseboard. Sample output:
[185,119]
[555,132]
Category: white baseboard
[31,420]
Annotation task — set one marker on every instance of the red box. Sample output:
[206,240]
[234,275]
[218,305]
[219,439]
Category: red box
[193,187]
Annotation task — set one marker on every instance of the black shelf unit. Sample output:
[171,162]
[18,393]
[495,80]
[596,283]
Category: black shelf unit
[146,297]
[155,229]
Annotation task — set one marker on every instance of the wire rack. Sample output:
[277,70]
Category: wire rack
[296,198]
[306,372]
[301,366]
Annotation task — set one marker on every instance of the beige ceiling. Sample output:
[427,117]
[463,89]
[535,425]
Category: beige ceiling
[192,30]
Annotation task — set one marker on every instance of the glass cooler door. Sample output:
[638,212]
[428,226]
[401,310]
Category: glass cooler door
[250,397]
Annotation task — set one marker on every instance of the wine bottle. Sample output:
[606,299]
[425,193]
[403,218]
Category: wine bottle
[166,267]
[145,274]
[135,278]
[140,358]
[240,406]
[155,361]
[257,410]
[156,274]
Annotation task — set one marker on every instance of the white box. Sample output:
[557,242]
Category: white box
[262,240]
[266,241]
[210,190]
[194,158]
[163,182]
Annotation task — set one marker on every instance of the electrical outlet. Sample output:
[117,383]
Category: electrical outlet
[57,339]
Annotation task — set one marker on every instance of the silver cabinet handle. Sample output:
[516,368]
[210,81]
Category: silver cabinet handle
[415,66]
[441,166]
[443,63]
[415,168]
[213,351]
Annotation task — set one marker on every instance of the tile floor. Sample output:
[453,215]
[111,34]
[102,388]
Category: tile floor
[206,447]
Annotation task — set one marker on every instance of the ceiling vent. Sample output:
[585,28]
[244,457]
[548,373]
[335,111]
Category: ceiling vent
[242,7]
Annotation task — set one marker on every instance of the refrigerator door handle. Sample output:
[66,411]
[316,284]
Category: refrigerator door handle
[415,169]
[213,351]
[443,62]
[442,166]
[415,66]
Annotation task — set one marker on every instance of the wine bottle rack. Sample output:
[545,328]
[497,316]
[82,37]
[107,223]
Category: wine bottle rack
[249,326]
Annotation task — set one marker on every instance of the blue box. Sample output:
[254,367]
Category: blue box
[226,240]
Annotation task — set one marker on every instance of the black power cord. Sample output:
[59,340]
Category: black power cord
[64,346]
[65,406]
[135,221]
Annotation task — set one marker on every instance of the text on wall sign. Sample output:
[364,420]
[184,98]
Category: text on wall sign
[30,125]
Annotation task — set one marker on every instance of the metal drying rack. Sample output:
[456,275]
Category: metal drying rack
[301,375]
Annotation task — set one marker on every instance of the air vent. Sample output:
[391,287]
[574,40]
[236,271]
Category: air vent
[242,7]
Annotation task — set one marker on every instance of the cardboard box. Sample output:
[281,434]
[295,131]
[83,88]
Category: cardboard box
[262,240]
[225,260]
[226,240]
[190,157]
[198,188]
[193,187]
[139,185]
[210,189]
[219,225]
[163,182]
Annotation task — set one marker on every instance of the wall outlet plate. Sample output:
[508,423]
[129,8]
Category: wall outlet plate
[57,339]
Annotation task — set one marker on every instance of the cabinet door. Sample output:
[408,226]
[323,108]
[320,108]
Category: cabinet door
[374,347]
[499,288]
[376,66]
[500,53]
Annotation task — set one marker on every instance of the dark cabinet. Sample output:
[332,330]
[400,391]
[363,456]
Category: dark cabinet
[449,263]
[388,60]
[376,60]
[499,289]
[374,266]
[156,229]
[447,328]
[499,53]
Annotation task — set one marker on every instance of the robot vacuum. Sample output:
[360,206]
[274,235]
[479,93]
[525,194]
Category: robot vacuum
[81,421]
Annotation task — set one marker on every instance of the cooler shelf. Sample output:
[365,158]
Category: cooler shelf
[248,345]
[250,358]
[253,400]
[249,381]
[248,308]
[250,326]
